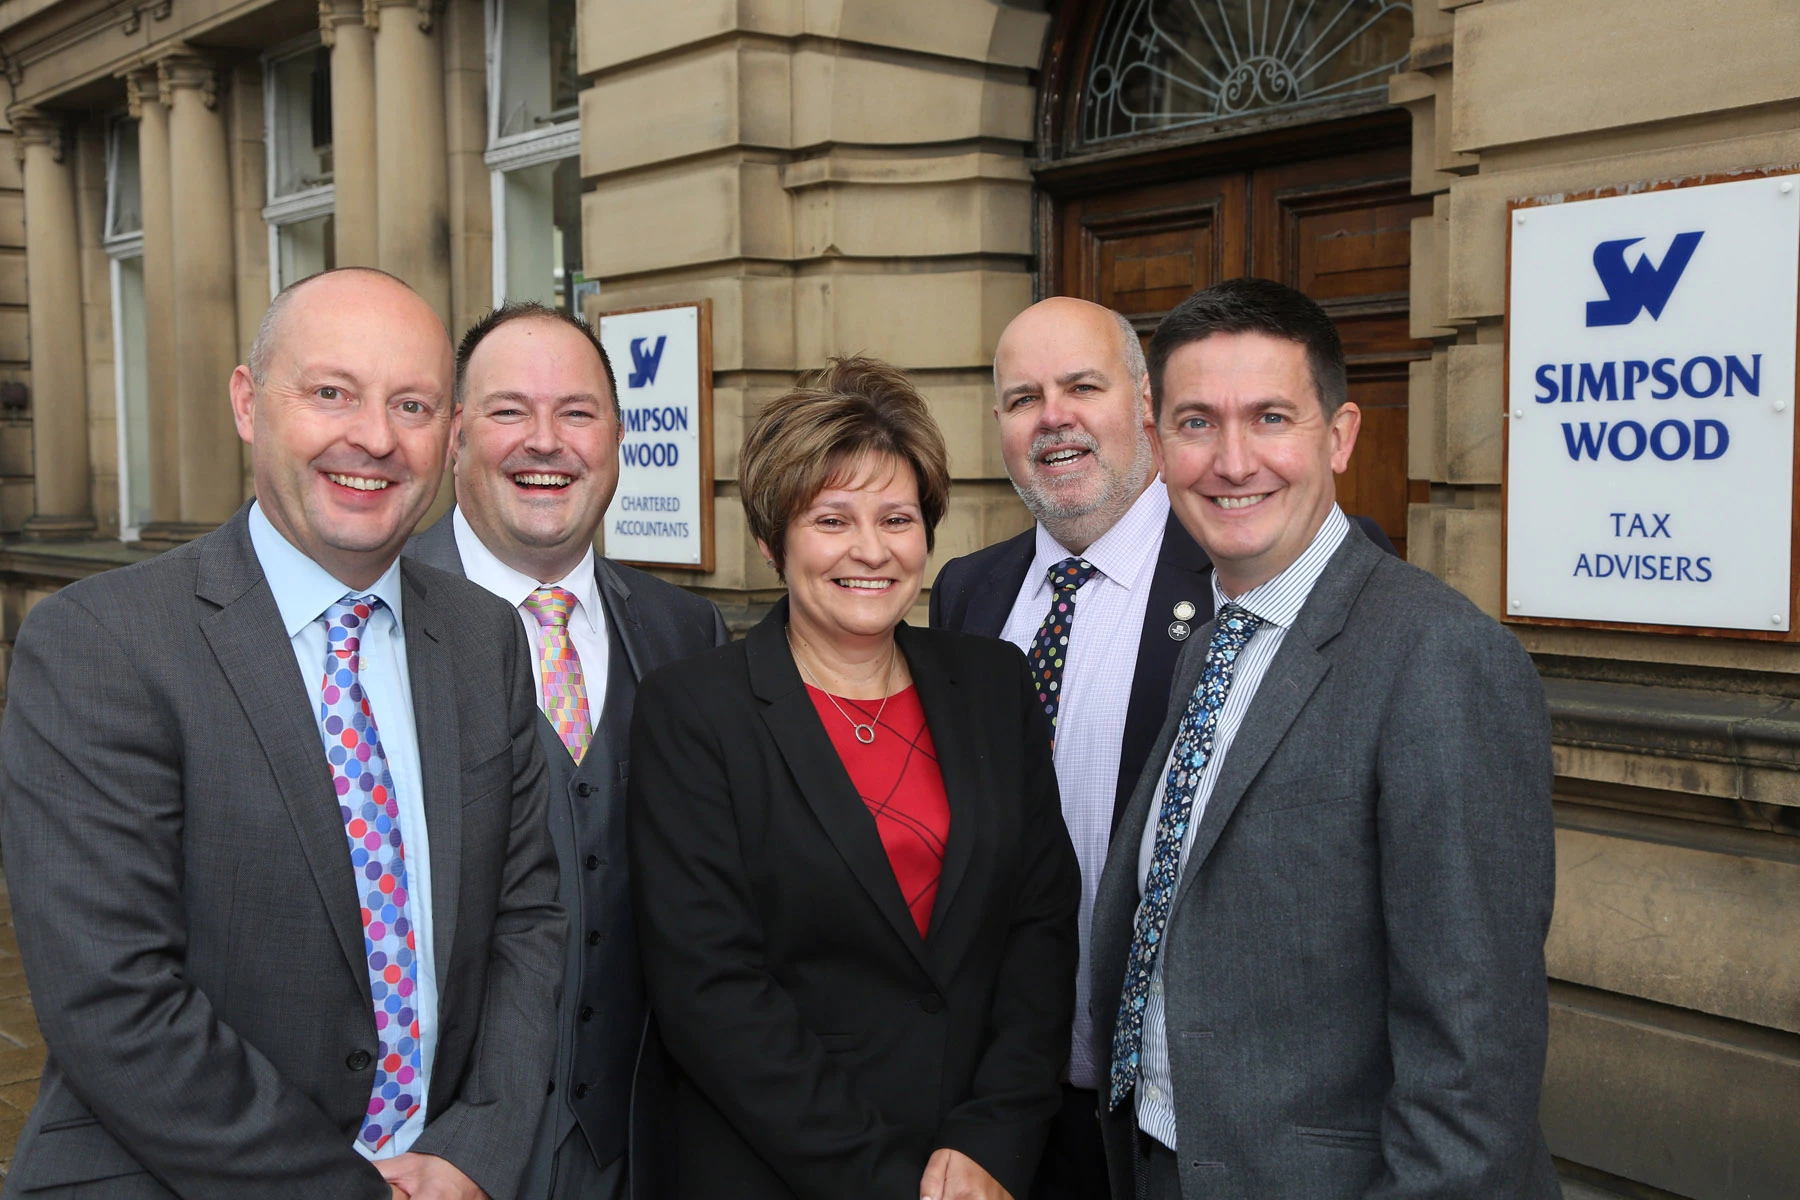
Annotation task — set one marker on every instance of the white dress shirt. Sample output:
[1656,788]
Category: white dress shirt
[587,621]
[1278,603]
[1096,692]
[303,590]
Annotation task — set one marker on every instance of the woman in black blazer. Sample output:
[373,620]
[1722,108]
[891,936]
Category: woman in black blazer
[855,894]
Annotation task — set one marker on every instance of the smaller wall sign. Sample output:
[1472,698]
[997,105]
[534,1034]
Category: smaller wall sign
[1650,407]
[662,514]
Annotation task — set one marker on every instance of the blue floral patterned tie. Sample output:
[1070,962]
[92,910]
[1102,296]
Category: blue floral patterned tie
[1193,749]
[1050,649]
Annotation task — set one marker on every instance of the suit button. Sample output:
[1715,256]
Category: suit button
[359,1060]
[593,862]
[593,937]
[584,789]
[932,1003]
[587,1012]
[581,1091]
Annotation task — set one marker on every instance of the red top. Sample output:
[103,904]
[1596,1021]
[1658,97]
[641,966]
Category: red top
[898,778]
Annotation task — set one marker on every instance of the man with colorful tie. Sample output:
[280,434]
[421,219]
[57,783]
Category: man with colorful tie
[1318,967]
[537,460]
[1101,594]
[274,818]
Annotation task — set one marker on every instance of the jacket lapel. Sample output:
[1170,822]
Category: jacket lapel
[621,610]
[938,695]
[251,644]
[1292,677]
[433,679]
[993,600]
[794,724]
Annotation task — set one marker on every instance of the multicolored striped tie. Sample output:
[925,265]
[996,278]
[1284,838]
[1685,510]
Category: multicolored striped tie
[565,692]
[371,812]
[1187,764]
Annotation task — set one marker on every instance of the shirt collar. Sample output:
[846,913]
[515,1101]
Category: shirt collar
[484,567]
[1120,552]
[303,589]
[1279,601]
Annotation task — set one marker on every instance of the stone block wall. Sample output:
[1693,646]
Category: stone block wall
[1675,954]
[838,177]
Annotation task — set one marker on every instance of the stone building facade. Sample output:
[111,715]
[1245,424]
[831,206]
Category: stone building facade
[900,177]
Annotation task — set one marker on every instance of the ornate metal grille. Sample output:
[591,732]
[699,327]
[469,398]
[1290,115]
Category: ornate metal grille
[1166,64]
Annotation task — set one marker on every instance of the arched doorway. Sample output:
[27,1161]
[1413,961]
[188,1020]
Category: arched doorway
[1181,142]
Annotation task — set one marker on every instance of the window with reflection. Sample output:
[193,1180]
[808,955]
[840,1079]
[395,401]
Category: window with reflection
[297,133]
[534,142]
[1168,64]
[124,244]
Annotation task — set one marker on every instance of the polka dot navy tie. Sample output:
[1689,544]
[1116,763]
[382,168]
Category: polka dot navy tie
[365,789]
[1187,763]
[1050,649]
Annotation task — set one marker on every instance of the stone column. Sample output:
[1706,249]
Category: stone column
[412,175]
[205,288]
[352,129]
[59,432]
[145,95]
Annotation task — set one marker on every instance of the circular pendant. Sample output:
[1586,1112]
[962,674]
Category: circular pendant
[865,734]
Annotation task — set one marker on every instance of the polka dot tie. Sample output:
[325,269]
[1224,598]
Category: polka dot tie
[1187,763]
[1050,649]
[565,691]
[365,789]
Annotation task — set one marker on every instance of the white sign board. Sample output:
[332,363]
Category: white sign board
[662,513]
[1650,407]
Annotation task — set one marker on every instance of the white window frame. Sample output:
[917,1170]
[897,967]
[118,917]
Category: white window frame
[117,248]
[295,206]
[535,148]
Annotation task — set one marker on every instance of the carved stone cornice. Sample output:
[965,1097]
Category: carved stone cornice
[333,13]
[426,10]
[184,68]
[32,127]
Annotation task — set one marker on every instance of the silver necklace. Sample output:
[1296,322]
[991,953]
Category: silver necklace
[865,733]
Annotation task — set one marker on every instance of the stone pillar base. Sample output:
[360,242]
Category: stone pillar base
[58,529]
[166,535]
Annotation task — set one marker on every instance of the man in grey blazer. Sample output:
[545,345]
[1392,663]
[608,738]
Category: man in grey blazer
[273,817]
[1318,939]
[537,460]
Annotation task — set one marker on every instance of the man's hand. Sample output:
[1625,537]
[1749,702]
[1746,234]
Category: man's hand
[427,1177]
[954,1176]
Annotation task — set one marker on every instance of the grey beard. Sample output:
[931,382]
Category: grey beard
[1085,522]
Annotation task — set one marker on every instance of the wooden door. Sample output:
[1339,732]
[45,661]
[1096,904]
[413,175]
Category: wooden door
[1337,228]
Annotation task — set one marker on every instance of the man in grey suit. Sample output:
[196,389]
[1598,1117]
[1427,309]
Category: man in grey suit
[274,818]
[537,460]
[1318,940]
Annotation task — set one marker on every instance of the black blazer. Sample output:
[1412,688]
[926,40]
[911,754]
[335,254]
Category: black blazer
[823,1049]
[975,594]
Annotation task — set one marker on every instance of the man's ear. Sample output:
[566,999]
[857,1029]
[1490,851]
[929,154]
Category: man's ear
[1346,423]
[243,404]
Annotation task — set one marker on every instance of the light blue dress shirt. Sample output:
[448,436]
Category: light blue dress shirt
[303,591]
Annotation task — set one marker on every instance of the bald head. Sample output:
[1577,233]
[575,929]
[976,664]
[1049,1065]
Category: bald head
[1061,316]
[346,405]
[1072,398]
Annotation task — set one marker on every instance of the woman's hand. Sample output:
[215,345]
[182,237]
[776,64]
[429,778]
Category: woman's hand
[954,1176]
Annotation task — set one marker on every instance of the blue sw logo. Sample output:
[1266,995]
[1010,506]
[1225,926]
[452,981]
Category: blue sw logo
[1630,290]
[644,365]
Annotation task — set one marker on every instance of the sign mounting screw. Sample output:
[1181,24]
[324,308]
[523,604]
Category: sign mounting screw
[1519,218]
[1517,604]
[1775,618]
[1787,187]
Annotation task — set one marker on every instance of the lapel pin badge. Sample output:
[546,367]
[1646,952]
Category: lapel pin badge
[1179,630]
[1184,612]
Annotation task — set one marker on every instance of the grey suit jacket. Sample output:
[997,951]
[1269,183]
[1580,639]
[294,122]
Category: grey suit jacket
[186,906]
[609,1077]
[1353,965]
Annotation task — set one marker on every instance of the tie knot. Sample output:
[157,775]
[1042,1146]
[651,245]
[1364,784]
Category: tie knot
[1234,625]
[551,606]
[345,619]
[1069,574]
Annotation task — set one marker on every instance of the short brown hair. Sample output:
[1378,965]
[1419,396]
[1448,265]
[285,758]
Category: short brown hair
[514,310]
[819,433]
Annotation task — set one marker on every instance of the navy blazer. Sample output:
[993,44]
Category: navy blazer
[975,594]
